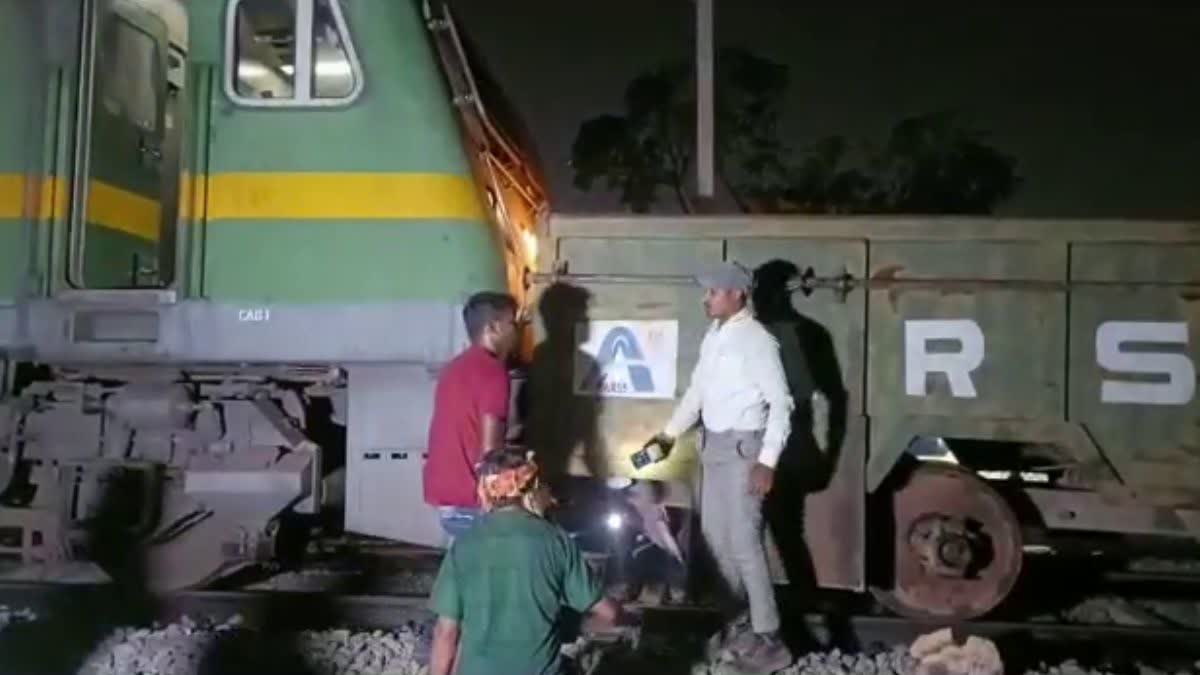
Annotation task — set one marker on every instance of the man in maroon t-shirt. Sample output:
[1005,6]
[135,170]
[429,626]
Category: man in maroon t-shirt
[470,410]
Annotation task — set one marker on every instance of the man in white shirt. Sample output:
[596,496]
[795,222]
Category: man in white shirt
[740,394]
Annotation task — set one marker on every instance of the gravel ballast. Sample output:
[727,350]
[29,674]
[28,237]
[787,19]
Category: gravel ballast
[199,647]
[189,648]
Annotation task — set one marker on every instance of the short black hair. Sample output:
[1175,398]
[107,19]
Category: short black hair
[501,459]
[485,307]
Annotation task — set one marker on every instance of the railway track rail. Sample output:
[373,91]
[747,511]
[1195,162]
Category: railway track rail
[295,610]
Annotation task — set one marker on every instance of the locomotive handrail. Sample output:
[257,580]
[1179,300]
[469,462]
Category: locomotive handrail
[447,23]
[539,206]
[843,284]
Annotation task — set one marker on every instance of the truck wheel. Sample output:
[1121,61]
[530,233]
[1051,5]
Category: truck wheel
[956,546]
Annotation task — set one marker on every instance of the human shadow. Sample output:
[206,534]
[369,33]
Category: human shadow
[559,421]
[272,645]
[78,626]
[73,619]
[818,423]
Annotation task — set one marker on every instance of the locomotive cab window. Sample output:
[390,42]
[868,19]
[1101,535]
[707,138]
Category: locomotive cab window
[122,217]
[290,53]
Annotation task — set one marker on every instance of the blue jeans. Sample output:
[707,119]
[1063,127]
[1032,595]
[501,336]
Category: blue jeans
[457,520]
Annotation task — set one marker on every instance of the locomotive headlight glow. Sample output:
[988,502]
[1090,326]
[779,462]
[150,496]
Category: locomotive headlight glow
[614,521]
[531,246]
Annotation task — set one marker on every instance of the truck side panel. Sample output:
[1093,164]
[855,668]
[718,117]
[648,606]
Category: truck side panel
[826,334]
[922,363]
[1134,310]
[646,278]
[596,436]
[986,333]
[963,334]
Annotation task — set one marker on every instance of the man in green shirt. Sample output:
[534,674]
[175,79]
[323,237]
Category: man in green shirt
[503,585]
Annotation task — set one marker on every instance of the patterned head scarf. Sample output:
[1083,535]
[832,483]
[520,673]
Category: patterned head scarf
[509,474]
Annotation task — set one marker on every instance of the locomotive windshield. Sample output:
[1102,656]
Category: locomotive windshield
[291,53]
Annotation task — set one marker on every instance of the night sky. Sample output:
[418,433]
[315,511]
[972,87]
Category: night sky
[1099,106]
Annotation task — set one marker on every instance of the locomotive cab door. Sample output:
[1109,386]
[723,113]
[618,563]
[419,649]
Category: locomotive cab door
[123,230]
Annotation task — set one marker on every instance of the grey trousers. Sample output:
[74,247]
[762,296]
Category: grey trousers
[732,523]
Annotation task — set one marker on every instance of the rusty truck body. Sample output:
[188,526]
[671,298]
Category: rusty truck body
[977,376]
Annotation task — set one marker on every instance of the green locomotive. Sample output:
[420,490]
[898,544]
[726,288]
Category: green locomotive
[234,237]
[222,225]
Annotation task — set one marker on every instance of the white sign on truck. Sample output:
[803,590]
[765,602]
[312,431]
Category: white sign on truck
[626,359]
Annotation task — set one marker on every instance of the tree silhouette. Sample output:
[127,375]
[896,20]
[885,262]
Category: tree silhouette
[935,164]
[644,150]
[932,163]
[649,148]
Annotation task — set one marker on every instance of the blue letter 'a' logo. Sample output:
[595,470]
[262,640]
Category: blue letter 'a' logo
[621,340]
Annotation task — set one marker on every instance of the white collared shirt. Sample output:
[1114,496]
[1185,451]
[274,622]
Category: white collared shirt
[738,384]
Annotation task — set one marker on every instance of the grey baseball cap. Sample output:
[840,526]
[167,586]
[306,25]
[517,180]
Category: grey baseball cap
[725,276]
